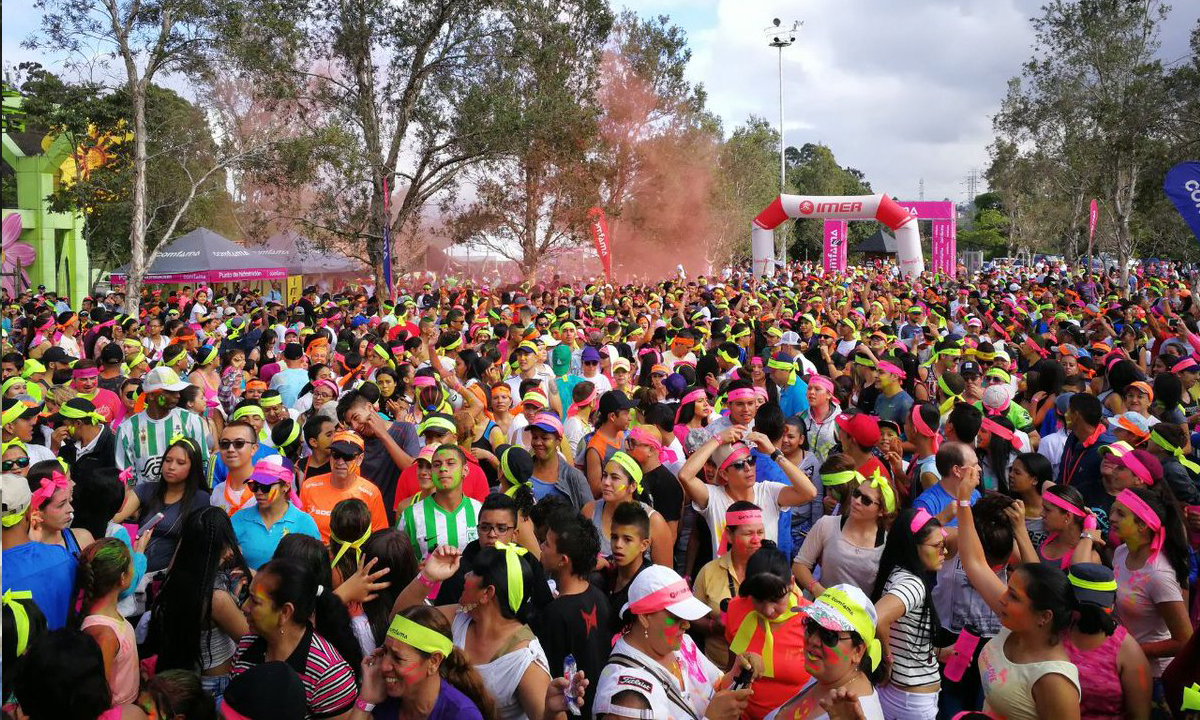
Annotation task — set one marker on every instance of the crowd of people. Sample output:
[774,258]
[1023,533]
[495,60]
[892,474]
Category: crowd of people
[798,496]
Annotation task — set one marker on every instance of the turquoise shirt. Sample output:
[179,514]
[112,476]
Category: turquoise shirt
[258,542]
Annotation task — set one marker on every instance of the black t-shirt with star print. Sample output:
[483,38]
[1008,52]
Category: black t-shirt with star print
[577,625]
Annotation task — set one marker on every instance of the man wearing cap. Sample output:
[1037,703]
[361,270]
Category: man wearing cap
[294,377]
[143,438]
[436,430]
[553,474]
[111,358]
[19,416]
[261,525]
[447,517]
[635,682]
[590,357]
[47,572]
[321,493]
[83,439]
[793,392]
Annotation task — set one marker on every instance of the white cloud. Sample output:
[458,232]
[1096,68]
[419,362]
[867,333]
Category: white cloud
[899,90]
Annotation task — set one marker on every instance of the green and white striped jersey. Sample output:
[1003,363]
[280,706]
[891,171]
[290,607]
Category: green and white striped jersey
[142,441]
[429,526]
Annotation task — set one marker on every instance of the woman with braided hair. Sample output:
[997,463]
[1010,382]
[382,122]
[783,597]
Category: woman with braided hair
[105,570]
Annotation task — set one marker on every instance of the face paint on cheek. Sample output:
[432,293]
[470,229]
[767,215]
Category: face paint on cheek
[411,673]
[672,632]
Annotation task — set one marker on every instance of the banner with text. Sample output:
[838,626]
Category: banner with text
[600,238]
[835,252]
[1182,186]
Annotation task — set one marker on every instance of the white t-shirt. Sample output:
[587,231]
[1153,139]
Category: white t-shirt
[871,708]
[766,497]
[650,680]
[601,382]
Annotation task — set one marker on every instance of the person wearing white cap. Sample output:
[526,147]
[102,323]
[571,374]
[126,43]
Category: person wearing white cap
[655,669]
[843,657]
[143,438]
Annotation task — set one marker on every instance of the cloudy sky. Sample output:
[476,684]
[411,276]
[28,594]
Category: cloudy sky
[900,90]
[903,91]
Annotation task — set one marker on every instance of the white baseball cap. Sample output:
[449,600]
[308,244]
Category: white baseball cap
[660,588]
[163,378]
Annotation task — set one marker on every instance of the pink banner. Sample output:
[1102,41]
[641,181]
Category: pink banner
[208,275]
[929,210]
[944,244]
[1093,216]
[834,246]
[600,238]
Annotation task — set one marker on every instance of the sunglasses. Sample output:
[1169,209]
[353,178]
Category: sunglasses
[257,487]
[829,638]
[132,394]
[15,463]
[235,444]
[742,464]
[591,362]
[863,498]
[336,455]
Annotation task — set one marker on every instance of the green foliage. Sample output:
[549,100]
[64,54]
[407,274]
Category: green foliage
[813,170]
[96,121]
[1094,115]
[747,181]
[988,233]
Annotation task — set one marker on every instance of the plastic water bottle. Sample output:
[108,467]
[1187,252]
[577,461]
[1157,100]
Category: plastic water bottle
[569,670]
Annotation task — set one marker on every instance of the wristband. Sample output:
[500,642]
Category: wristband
[360,704]
[431,584]
[964,503]
[777,454]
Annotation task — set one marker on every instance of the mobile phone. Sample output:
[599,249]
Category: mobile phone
[150,524]
[742,679]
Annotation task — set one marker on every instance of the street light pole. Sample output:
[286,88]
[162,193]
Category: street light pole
[779,37]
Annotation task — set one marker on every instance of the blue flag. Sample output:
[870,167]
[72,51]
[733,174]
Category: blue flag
[1183,188]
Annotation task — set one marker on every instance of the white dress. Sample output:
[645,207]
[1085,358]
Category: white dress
[502,675]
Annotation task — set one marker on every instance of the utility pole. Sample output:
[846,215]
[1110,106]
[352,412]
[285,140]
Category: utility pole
[780,37]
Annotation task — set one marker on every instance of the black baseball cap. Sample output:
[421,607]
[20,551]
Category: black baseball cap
[615,401]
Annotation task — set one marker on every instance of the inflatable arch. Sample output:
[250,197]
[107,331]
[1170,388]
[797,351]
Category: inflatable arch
[849,207]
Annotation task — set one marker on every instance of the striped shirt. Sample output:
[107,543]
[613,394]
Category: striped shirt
[429,525]
[329,685]
[142,441]
[911,641]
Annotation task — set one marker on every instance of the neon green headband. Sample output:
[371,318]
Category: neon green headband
[839,478]
[1160,441]
[630,466]
[247,411]
[509,475]
[270,401]
[841,603]
[435,422]
[292,436]
[20,616]
[71,413]
[1099,586]
[516,579]
[357,545]
[420,637]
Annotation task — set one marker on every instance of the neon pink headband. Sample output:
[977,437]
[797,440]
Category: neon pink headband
[1089,520]
[996,428]
[85,373]
[741,394]
[327,383]
[645,437]
[821,381]
[575,407]
[661,599]
[891,369]
[691,397]
[423,381]
[57,481]
[1185,364]
[1032,345]
[1129,461]
[922,427]
[742,517]
[920,519]
[737,454]
[761,393]
[1138,507]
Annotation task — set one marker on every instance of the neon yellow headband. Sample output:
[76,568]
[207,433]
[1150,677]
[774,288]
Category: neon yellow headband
[20,616]
[247,411]
[516,579]
[1099,586]
[840,478]
[630,466]
[270,401]
[435,422]
[841,603]
[72,414]
[357,545]
[418,636]
[509,475]
[1160,441]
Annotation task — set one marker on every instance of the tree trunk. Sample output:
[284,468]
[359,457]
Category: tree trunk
[137,223]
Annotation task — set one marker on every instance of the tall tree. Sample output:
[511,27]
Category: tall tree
[100,186]
[402,93]
[531,199]
[146,40]
[813,170]
[747,180]
[1094,98]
